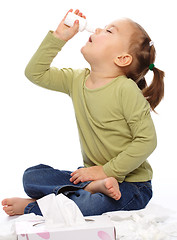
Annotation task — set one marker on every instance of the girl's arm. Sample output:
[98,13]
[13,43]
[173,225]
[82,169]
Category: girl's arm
[38,69]
[136,111]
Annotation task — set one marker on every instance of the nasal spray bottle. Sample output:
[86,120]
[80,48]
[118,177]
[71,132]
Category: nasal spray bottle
[83,25]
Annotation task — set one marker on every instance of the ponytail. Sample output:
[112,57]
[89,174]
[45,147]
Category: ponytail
[142,50]
[142,83]
[155,91]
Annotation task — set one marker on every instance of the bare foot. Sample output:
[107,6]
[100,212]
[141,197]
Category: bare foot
[15,206]
[108,186]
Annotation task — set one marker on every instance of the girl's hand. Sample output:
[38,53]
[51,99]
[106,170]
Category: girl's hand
[64,32]
[88,174]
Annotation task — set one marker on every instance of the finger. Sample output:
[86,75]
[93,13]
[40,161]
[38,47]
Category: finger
[78,180]
[75,172]
[77,11]
[74,177]
[81,179]
[67,14]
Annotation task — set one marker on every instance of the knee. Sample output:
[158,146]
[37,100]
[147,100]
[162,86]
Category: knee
[37,167]
[30,175]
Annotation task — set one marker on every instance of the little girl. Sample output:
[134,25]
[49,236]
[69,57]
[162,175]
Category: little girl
[112,104]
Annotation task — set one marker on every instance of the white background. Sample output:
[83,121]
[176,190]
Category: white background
[38,125]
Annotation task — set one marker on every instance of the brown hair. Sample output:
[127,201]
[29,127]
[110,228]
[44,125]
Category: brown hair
[143,54]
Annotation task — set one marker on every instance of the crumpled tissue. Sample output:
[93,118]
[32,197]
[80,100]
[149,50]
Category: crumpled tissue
[152,223]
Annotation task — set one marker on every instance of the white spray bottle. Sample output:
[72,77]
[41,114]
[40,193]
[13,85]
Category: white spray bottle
[83,25]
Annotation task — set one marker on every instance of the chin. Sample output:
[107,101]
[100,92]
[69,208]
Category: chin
[82,49]
[84,52]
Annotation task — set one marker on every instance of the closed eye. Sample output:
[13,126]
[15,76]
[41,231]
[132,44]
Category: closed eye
[108,30]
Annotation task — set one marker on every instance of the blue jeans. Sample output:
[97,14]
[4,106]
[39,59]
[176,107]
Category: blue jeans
[42,180]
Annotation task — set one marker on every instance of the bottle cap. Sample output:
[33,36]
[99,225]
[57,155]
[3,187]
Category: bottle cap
[90,29]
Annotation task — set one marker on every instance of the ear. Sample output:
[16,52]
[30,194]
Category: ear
[123,60]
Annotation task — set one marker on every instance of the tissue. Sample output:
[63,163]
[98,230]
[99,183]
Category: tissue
[60,211]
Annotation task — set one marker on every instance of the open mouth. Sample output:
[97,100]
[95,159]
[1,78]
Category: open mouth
[90,40]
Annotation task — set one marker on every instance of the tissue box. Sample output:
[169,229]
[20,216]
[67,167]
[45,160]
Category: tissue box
[96,228]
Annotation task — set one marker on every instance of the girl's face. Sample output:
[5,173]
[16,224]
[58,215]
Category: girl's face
[108,43]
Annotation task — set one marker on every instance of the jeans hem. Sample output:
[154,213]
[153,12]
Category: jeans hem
[28,208]
[66,189]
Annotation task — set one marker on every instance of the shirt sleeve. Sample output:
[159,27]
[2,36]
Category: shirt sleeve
[39,71]
[136,111]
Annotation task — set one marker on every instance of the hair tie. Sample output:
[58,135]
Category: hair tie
[151,66]
[151,43]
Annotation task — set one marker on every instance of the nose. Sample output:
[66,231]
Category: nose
[98,30]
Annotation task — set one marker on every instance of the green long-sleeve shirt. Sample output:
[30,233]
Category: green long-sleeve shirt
[114,122]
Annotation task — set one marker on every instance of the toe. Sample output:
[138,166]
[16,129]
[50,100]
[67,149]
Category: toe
[4,202]
[118,196]
[111,190]
[9,210]
[11,213]
[108,185]
[7,201]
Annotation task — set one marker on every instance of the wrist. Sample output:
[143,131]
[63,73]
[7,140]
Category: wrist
[59,36]
[101,172]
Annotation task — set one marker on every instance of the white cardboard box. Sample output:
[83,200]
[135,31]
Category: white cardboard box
[100,227]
